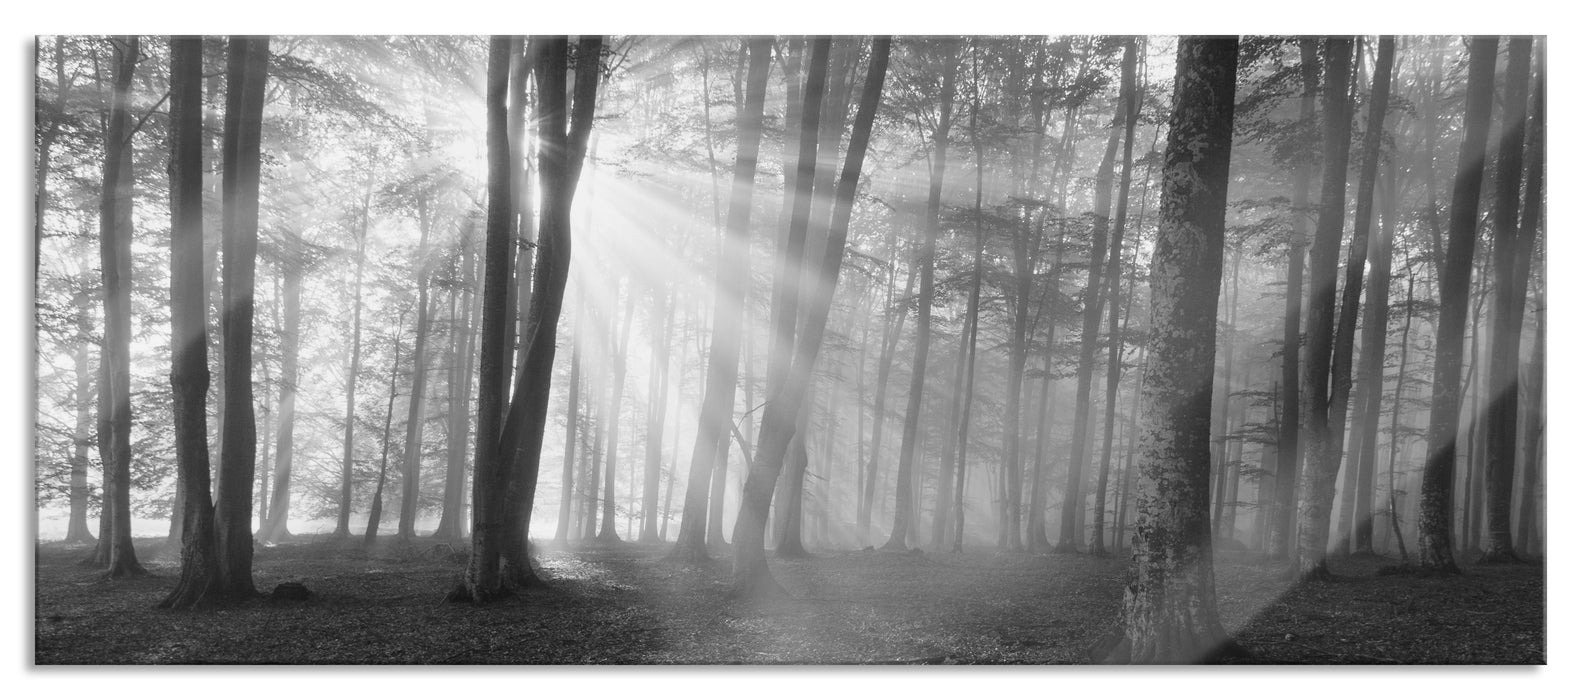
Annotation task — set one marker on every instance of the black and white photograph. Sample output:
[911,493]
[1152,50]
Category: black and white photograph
[785,349]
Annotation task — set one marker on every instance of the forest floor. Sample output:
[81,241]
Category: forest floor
[625,604]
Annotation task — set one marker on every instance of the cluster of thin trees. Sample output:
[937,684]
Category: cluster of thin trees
[936,184]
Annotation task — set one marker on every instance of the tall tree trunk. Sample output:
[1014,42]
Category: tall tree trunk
[1438,492]
[562,148]
[348,447]
[1117,238]
[1289,469]
[751,569]
[1532,446]
[481,581]
[189,366]
[887,348]
[925,309]
[612,416]
[1510,299]
[246,72]
[1351,299]
[1319,455]
[115,552]
[1532,211]
[1168,610]
[658,398]
[1375,332]
[730,298]
[1222,457]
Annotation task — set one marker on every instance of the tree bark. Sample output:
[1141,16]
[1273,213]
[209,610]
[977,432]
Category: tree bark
[1168,611]
[1510,299]
[412,454]
[348,447]
[246,72]
[189,366]
[377,503]
[1437,497]
[277,528]
[463,348]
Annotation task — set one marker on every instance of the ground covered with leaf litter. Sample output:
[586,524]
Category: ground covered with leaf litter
[626,604]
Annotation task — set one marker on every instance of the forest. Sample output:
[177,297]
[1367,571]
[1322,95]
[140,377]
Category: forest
[802,350]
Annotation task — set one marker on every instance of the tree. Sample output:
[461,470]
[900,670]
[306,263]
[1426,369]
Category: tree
[344,514]
[246,71]
[1510,299]
[276,528]
[1168,610]
[899,530]
[1321,458]
[189,367]
[751,577]
[1289,468]
[1375,320]
[115,552]
[1437,497]
[412,455]
[730,293]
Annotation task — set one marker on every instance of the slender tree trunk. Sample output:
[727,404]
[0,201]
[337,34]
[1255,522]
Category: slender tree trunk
[344,516]
[1168,610]
[1222,456]
[1438,492]
[730,298]
[1117,239]
[277,528]
[1290,450]
[569,462]
[115,553]
[1319,455]
[1345,334]
[189,366]
[751,570]
[658,397]
[1092,313]
[412,455]
[1532,465]
[463,348]
[891,340]
[899,530]
[77,531]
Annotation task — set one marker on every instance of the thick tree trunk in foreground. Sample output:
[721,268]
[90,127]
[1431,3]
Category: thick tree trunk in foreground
[751,568]
[1437,498]
[189,364]
[900,526]
[730,297]
[1320,456]
[1510,299]
[1168,611]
